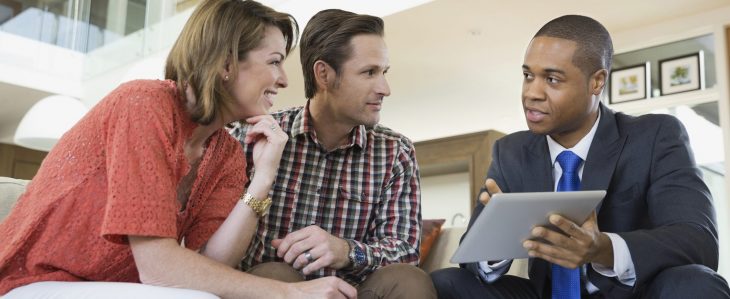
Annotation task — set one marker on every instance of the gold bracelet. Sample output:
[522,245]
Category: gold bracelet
[260,207]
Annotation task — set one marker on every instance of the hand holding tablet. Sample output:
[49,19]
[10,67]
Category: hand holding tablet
[508,218]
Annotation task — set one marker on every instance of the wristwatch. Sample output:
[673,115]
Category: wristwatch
[260,207]
[357,255]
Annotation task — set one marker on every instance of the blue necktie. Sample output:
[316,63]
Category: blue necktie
[566,282]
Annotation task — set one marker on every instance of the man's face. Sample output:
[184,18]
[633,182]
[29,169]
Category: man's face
[556,95]
[358,96]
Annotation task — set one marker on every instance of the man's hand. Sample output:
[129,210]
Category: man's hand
[575,246]
[327,287]
[325,250]
[492,189]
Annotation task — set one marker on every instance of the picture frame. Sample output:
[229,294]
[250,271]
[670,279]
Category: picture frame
[630,83]
[682,73]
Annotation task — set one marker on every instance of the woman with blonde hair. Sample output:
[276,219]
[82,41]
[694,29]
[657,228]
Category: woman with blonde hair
[141,198]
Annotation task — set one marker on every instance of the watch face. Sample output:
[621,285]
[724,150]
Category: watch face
[359,256]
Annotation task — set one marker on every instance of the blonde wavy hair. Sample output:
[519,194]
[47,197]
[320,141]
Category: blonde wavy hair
[220,32]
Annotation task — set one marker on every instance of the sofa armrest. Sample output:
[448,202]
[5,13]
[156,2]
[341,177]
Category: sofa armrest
[446,245]
[443,249]
[10,190]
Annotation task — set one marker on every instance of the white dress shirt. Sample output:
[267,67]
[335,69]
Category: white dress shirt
[623,266]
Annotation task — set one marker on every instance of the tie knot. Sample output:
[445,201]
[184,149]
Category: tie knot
[569,161]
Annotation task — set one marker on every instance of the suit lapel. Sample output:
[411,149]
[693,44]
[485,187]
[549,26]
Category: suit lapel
[604,153]
[538,176]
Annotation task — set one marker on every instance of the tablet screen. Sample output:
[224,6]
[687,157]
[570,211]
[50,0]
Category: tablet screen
[507,220]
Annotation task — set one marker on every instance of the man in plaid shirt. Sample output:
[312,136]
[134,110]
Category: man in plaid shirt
[346,200]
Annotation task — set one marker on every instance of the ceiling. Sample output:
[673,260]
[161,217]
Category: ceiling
[445,55]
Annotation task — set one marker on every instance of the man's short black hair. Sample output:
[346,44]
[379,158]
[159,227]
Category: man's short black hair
[595,48]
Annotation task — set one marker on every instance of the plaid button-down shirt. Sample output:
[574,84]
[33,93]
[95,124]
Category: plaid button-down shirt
[367,191]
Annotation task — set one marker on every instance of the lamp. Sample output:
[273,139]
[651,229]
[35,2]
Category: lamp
[47,121]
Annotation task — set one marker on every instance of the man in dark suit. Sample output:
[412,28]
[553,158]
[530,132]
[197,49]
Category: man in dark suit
[657,236]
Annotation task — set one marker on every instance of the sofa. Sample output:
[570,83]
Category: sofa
[441,248]
[10,190]
[444,247]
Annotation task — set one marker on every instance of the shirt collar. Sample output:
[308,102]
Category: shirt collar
[580,149]
[302,125]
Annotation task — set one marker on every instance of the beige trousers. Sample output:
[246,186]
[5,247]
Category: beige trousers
[395,281]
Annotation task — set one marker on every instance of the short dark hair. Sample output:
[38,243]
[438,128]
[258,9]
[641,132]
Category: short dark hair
[327,37]
[595,48]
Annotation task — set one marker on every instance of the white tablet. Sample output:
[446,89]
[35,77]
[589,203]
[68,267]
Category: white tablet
[506,222]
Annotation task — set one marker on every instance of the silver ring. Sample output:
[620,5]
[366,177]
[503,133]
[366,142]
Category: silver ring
[308,256]
[273,127]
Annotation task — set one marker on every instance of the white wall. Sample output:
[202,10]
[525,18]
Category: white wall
[150,67]
[37,65]
[446,197]
[713,21]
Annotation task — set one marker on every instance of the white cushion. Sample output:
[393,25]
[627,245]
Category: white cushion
[10,190]
[105,290]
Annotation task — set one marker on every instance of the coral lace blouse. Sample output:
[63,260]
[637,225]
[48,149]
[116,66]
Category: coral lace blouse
[112,175]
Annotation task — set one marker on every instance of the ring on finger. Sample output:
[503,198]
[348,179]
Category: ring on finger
[273,127]
[308,256]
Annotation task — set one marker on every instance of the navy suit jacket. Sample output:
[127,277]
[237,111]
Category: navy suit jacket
[656,199]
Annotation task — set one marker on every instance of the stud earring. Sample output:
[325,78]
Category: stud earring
[226,78]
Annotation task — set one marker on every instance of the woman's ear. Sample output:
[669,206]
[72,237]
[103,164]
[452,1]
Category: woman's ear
[227,70]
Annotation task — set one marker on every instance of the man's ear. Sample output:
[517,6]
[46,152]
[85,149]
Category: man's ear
[323,74]
[598,81]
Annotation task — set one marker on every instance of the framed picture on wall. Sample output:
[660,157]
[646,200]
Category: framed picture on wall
[683,73]
[629,83]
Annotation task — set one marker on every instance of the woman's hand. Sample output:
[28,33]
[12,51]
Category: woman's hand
[269,141]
